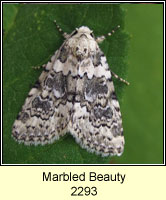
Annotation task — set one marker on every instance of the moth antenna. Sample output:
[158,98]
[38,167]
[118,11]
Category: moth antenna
[102,38]
[65,35]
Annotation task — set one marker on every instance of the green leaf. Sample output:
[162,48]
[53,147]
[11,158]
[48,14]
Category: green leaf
[9,13]
[30,41]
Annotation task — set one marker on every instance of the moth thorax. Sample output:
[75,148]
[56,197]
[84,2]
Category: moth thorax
[81,48]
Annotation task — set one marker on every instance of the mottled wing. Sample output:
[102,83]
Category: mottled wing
[45,114]
[96,121]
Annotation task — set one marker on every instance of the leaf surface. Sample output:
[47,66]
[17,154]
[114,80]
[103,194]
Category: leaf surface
[31,39]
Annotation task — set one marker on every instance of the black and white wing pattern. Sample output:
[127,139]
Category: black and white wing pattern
[75,93]
[45,114]
[96,122]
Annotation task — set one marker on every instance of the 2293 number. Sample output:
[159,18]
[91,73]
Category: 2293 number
[81,191]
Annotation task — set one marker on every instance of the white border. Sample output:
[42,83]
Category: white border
[13,2]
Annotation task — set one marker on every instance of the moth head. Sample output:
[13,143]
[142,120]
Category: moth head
[84,31]
[82,42]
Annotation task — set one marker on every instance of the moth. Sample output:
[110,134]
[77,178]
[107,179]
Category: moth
[74,94]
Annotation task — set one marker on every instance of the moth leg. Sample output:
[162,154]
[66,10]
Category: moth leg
[65,35]
[48,66]
[100,39]
[119,78]
[39,67]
